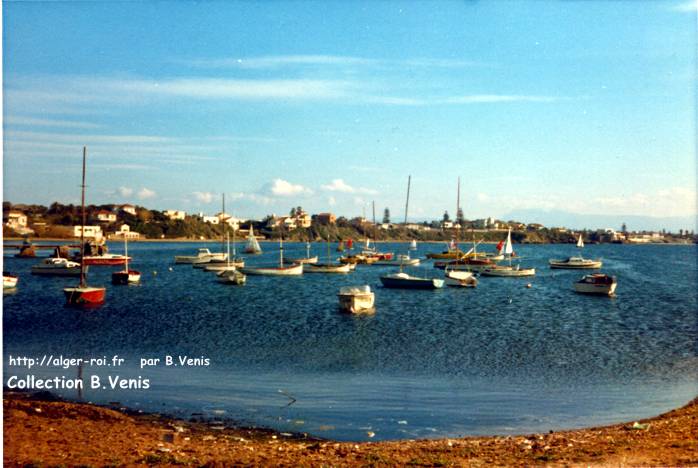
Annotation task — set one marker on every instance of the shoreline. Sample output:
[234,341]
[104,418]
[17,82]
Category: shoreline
[40,429]
[275,241]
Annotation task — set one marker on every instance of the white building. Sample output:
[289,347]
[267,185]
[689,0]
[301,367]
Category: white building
[125,232]
[130,209]
[106,216]
[175,214]
[16,219]
[211,219]
[94,232]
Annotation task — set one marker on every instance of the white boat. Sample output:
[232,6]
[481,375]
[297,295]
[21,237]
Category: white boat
[126,276]
[57,266]
[575,263]
[356,299]
[327,268]
[9,281]
[281,270]
[597,283]
[510,270]
[231,277]
[252,246]
[203,255]
[306,259]
[413,245]
[463,279]
[227,265]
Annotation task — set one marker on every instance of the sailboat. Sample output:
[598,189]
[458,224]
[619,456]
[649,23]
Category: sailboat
[413,245]
[228,273]
[227,264]
[575,263]
[126,276]
[82,294]
[252,246]
[508,270]
[328,267]
[404,280]
[281,270]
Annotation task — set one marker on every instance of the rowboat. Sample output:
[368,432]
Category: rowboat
[404,281]
[232,277]
[327,268]
[9,281]
[463,279]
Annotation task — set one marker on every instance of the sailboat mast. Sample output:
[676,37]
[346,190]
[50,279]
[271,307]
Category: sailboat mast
[225,224]
[84,220]
[407,202]
[281,250]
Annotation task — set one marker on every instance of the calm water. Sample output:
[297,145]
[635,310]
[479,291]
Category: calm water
[501,358]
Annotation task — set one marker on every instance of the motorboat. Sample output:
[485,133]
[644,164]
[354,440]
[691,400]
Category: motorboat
[203,255]
[223,266]
[405,281]
[463,279]
[9,281]
[597,283]
[57,266]
[356,299]
[575,263]
[467,264]
[106,259]
[306,259]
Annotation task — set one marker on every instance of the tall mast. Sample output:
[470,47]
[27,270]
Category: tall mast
[458,212]
[225,226]
[407,202]
[84,220]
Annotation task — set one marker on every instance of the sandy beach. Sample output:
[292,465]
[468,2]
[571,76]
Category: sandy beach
[40,431]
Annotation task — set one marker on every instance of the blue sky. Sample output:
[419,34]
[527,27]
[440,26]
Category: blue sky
[583,107]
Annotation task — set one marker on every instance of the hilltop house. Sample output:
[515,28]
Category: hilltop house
[125,232]
[93,232]
[104,216]
[174,215]
[17,221]
[326,218]
[130,209]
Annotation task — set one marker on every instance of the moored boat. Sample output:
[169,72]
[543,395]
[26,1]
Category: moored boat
[574,263]
[356,299]
[404,281]
[327,268]
[508,271]
[106,259]
[126,276]
[280,270]
[463,279]
[399,260]
[82,294]
[597,283]
[203,255]
[9,281]
[231,277]
[57,266]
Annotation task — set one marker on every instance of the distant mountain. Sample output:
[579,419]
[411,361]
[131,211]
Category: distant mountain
[599,221]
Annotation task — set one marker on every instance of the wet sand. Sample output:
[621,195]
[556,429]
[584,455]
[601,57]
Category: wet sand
[41,432]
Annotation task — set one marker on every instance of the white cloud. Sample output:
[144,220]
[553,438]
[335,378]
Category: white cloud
[203,197]
[145,193]
[338,185]
[688,6]
[331,201]
[125,191]
[284,188]
[30,121]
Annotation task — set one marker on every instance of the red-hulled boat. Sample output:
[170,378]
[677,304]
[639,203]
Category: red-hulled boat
[82,294]
[126,276]
[106,259]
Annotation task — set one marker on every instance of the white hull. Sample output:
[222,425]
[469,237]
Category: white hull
[233,265]
[356,299]
[508,272]
[57,267]
[204,256]
[231,277]
[302,260]
[325,268]
[9,282]
[398,262]
[274,271]
[575,263]
[463,279]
